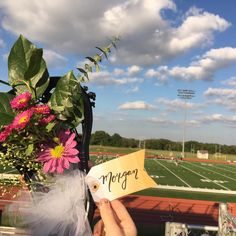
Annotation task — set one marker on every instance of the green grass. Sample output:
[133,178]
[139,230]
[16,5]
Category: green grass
[215,172]
[195,174]
[187,195]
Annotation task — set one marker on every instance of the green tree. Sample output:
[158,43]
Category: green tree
[101,138]
[116,140]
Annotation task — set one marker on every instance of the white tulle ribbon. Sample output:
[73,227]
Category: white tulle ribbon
[60,211]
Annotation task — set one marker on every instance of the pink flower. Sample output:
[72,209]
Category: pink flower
[20,101]
[57,157]
[3,136]
[22,119]
[46,120]
[5,133]
[41,109]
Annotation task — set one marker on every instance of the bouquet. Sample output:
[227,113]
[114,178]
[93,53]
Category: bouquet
[39,116]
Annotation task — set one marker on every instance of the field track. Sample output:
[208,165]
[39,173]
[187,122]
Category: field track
[158,210]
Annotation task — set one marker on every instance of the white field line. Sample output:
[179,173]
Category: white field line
[172,173]
[204,177]
[205,190]
[231,167]
[217,167]
[212,171]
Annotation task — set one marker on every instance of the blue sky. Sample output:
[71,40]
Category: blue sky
[166,45]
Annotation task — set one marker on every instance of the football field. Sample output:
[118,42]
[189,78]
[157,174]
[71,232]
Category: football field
[205,177]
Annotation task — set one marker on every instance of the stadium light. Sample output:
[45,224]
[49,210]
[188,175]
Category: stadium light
[185,94]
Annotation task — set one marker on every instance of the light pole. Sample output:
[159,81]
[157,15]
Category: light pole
[185,94]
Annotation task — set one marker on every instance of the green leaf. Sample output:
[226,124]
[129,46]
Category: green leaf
[88,68]
[97,58]
[103,51]
[97,68]
[27,68]
[84,72]
[92,60]
[67,101]
[50,126]
[6,112]
[29,149]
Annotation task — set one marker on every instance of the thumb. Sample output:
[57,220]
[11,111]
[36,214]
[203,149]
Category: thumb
[108,218]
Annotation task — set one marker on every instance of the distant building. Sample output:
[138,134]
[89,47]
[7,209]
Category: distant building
[202,154]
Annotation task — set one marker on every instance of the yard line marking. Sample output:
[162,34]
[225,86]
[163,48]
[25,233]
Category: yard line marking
[201,190]
[225,169]
[231,167]
[213,171]
[204,177]
[172,173]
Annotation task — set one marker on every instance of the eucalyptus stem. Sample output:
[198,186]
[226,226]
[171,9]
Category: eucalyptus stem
[3,82]
[97,58]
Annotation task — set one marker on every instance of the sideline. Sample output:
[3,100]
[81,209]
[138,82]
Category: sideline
[205,190]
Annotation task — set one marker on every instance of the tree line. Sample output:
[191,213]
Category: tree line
[104,139]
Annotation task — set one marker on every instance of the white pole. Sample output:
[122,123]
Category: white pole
[184,130]
[185,94]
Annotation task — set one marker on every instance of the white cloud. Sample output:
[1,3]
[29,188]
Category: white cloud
[220,92]
[162,121]
[133,90]
[177,104]
[118,71]
[230,82]
[2,43]
[133,70]
[137,105]
[161,74]
[202,69]
[5,56]
[222,97]
[196,29]
[77,26]
[54,59]
[193,122]
[229,120]
[105,78]
[151,73]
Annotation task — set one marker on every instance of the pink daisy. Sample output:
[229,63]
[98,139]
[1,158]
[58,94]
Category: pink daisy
[58,157]
[20,101]
[42,109]
[5,133]
[46,120]
[22,119]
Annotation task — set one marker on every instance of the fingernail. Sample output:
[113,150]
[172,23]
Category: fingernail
[103,202]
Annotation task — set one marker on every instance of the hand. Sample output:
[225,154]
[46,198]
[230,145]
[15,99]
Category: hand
[115,221]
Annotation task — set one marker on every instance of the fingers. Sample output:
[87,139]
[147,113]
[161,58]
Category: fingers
[106,211]
[126,221]
[121,211]
[98,228]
